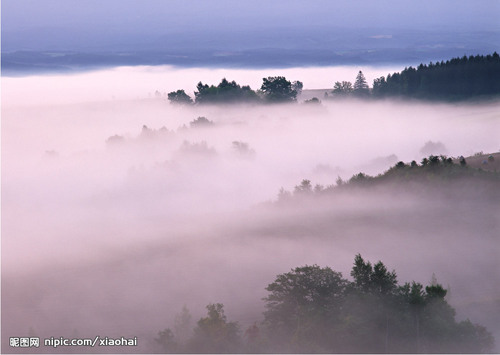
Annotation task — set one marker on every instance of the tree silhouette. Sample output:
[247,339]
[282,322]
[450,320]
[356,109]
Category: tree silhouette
[201,122]
[313,309]
[297,86]
[179,97]
[302,304]
[278,89]
[342,89]
[214,334]
[361,88]
[225,92]
[305,187]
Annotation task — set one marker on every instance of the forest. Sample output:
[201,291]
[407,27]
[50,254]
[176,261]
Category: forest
[433,171]
[456,79]
[313,309]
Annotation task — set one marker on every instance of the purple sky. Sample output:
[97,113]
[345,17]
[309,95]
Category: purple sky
[112,19]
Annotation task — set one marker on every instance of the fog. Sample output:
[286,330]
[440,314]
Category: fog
[116,211]
[140,82]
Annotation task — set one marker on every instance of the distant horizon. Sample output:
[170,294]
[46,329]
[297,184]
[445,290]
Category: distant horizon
[57,36]
[21,64]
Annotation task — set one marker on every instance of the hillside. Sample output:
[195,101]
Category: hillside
[476,175]
[481,161]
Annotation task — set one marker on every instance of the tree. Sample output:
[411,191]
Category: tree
[302,305]
[225,92]
[379,87]
[278,89]
[362,272]
[474,338]
[284,196]
[361,88]
[371,305]
[305,187]
[167,341]
[182,325]
[253,342]
[203,91]
[411,301]
[214,334]
[383,281]
[311,309]
[201,122]
[297,86]
[243,149]
[175,341]
[343,88]
[179,97]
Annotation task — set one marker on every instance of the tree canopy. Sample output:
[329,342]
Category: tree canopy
[225,92]
[180,97]
[343,88]
[313,309]
[278,89]
[214,334]
[298,86]
[273,90]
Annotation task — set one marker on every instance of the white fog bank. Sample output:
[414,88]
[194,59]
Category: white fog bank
[119,203]
[125,83]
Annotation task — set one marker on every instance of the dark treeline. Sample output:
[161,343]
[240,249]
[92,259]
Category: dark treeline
[455,79]
[273,90]
[433,171]
[311,309]
[224,92]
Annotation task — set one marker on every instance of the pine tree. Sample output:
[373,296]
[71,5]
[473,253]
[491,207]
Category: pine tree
[360,86]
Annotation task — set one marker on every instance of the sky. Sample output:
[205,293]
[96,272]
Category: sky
[155,15]
[91,24]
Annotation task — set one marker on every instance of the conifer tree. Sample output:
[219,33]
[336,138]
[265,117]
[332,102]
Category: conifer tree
[360,86]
